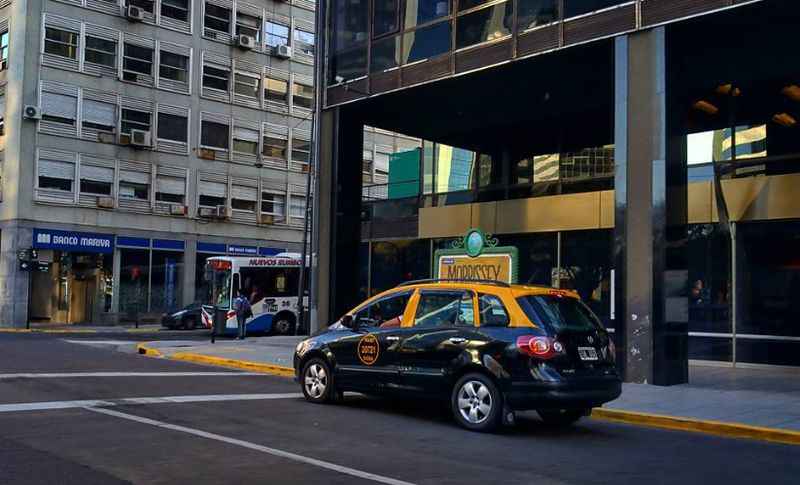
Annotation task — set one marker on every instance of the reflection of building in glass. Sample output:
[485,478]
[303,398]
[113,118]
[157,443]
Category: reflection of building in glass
[453,169]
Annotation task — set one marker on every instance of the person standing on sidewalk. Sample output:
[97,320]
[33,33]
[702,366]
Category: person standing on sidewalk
[241,305]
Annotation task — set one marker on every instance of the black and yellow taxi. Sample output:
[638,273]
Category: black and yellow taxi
[489,348]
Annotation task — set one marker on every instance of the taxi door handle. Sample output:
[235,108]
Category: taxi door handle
[392,338]
[457,340]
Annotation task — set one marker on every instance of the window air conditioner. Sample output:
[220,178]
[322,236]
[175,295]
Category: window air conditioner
[246,42]
[134,13]
[140,138]
[207,212]
[105,202]
[177,210]
[222,212]
[283,51]
[267,219]
[32,112]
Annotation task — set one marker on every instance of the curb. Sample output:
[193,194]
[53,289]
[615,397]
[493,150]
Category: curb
[46,330]
[271,369]
[716,428]
[143,349]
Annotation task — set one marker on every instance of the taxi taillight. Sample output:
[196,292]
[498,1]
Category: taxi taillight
[539,347]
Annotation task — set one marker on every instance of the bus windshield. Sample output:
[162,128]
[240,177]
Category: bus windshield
[219,276]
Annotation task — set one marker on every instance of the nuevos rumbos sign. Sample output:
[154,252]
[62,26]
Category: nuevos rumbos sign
[84,242]
[476,257]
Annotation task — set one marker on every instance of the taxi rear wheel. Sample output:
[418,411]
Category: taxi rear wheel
[476,403]
[317,382]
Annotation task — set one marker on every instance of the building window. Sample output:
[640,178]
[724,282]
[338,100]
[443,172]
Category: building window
[303,96]
[172,127]
[135,120]
[4,49]
[573,8]
[100,116]
[273,204]
[297,206]
[175,9]
[533,13]
[2,114]
[244,198]
[245,141]
[138,60]
[146,5]
[248,25]
[59,108]
[274,147]
[56,175]
[386,17]
[217,18]
[134,185]
[174,66]
[427,42]
[304,41]
[246,85]
[212,194]
[419,12]
[487,24]
[215,78]
[301,150]
[277,34]
[102,52]
[214,135]
[275,89]
[96,180]
[60,42]
[171,190]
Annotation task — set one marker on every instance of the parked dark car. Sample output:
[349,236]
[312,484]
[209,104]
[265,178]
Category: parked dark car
[488,348]
[187,318]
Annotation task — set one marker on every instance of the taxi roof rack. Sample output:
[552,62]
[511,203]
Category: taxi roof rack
[502,284]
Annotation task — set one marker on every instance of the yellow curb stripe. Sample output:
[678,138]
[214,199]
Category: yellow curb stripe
[276,370]
[143,349]
[717,428]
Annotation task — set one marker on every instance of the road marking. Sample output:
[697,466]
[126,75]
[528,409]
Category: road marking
[253,446]
[56,375]
[90,403]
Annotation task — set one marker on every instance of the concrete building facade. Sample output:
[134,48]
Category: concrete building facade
[139,138]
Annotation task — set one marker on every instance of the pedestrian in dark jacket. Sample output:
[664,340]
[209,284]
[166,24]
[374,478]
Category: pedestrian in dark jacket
[241,305]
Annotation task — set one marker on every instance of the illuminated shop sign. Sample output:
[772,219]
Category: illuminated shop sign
[476,257]
[83,242]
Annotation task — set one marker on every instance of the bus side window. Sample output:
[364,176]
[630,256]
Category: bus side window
[236,286]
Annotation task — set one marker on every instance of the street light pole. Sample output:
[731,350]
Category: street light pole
[306,255]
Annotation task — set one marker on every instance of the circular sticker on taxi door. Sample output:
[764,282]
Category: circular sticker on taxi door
[368,349]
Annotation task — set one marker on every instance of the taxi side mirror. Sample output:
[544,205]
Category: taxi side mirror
[347,321]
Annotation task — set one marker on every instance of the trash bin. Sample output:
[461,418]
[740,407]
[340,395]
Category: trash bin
[219,322]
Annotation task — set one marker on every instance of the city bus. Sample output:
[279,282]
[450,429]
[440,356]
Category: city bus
[271,283]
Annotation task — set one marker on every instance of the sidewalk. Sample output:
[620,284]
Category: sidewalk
[745,403]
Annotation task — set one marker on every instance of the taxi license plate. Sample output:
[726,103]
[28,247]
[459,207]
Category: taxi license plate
[587,353]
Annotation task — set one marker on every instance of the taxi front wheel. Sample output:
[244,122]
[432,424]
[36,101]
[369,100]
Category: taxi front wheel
[476,403]
[317,382]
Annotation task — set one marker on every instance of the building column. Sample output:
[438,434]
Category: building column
[650,217]
[14,283]
[337,222]
[189,270]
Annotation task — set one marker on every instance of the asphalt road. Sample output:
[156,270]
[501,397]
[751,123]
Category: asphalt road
[136,419]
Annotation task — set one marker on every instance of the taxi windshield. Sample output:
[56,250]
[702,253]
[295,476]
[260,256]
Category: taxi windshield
[559,314]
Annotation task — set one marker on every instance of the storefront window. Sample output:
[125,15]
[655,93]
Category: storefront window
[709,293]
[586,268]
[768,280]
[167,276]
[537,256]
[394,262]
[134,280]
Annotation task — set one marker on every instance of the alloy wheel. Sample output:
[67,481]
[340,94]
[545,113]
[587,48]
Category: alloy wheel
[316,381]
[474,402]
